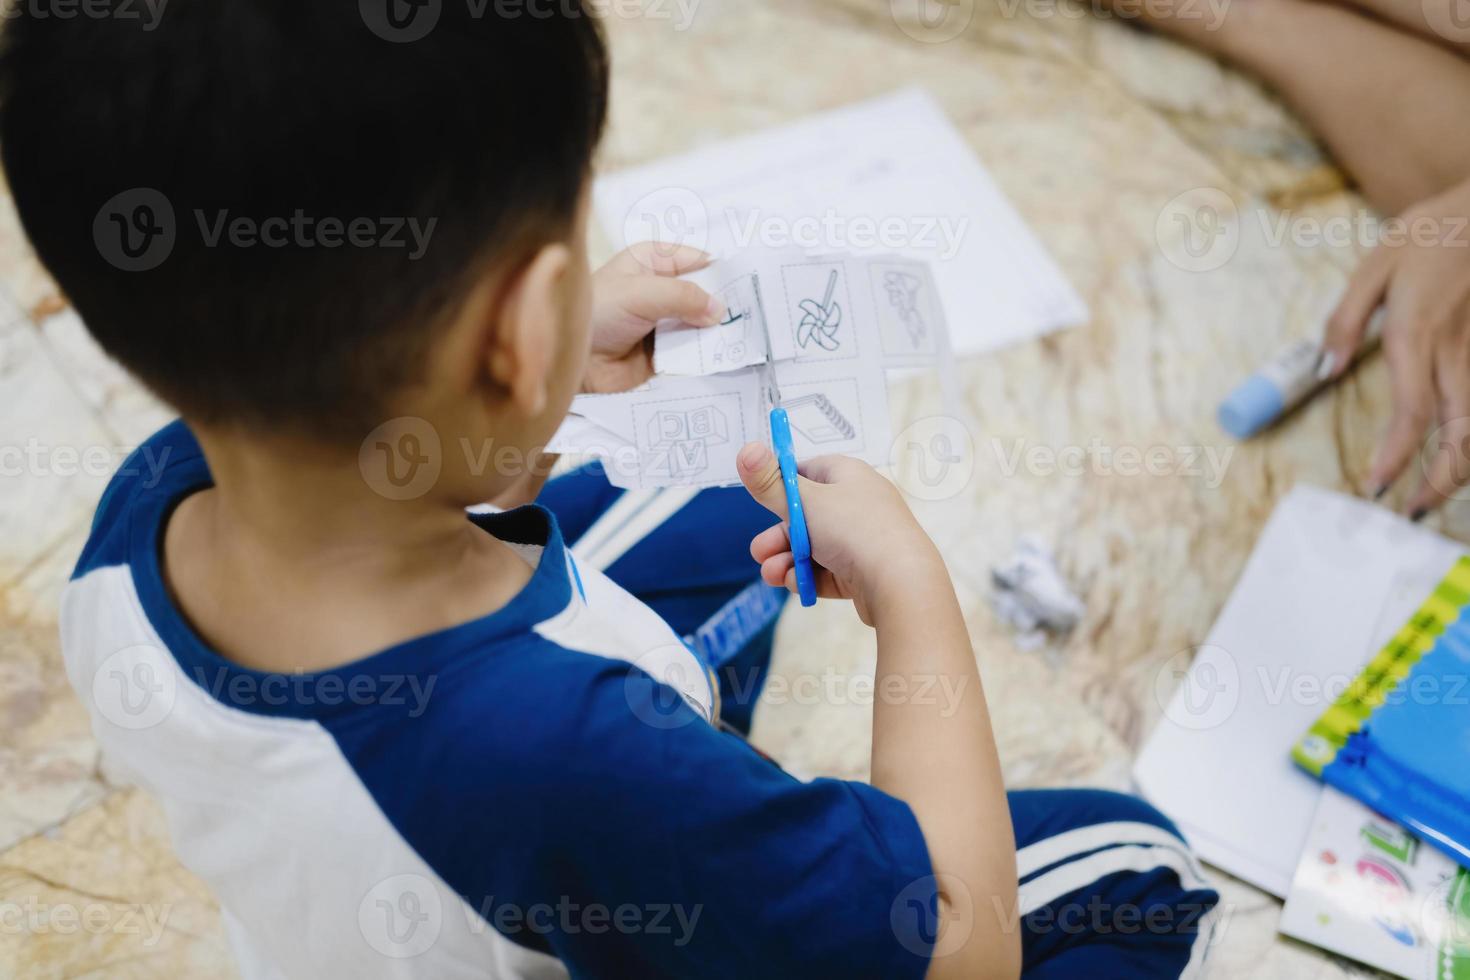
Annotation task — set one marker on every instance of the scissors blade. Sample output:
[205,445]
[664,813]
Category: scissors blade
[773,390]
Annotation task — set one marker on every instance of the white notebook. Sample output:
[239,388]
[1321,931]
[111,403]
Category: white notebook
[1331,578]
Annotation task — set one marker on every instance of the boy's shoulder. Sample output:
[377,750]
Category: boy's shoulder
[166,463]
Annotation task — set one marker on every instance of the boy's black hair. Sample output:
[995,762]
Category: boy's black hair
[133,150]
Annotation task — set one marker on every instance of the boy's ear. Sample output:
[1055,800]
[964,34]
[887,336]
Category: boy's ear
[524,336]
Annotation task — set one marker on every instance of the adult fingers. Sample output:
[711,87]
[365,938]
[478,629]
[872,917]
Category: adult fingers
[1447,470]
[1349,322]
[1411,374]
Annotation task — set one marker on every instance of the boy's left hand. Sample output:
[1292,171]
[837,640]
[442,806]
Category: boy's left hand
[636,289]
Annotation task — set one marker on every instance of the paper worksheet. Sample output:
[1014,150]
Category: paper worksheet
[835,324]
[1331,579]
[891,175]
[815,308]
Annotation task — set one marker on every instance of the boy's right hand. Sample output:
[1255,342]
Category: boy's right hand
[866,544]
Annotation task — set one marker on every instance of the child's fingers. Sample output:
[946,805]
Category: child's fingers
[829,469]
[652,298]
[776,569]
[772,541]
[660,258]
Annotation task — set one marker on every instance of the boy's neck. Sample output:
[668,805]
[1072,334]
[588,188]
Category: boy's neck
[293,562]
[305,506]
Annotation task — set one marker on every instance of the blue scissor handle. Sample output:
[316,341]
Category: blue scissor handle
[801,542]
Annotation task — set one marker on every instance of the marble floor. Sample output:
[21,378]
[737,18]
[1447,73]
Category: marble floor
[1095,130]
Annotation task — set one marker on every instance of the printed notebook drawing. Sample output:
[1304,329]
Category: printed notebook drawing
[818,419]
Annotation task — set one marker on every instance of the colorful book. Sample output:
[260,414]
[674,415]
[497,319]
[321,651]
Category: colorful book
[1398,738]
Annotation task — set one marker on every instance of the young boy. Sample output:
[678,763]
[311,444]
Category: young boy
[402,735]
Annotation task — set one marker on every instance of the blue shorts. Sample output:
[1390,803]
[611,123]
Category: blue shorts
[1108,888]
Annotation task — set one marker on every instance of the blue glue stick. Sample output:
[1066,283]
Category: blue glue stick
[1283,383]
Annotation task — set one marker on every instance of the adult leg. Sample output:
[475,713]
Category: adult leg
[1389,105]
[1442,22]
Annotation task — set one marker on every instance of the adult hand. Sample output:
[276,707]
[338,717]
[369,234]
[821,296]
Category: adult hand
[1420,274]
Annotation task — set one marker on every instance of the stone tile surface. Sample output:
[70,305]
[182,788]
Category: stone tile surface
[1103,136]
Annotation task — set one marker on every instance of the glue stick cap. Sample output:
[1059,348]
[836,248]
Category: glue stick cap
[1251,407]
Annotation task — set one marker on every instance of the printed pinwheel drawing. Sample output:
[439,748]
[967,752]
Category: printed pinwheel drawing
[819,321]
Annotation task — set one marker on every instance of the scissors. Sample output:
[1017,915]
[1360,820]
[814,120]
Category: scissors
[801,542]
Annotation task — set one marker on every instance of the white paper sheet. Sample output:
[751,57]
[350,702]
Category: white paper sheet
[891,175]
[1330,580]
[685,427]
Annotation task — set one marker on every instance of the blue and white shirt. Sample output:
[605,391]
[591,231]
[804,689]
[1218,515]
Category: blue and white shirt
[534,793]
